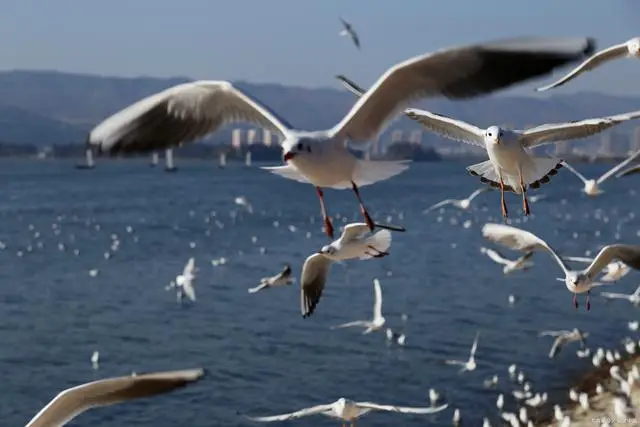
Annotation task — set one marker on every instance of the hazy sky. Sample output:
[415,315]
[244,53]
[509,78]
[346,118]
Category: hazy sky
[293,41]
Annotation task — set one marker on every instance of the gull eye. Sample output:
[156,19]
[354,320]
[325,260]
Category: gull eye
[299,146]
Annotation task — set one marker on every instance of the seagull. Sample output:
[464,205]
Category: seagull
[349,31]
[351,244]
[592,186]
[633,298]
[461,204]
[613,271]
[95,359]
[628,49]
[398,337]
[184,281]
[280,279]
[190,111]
[73,401]
[576,281]
[470,364]
[521,263]
[511,166]
[347,410]
[629,171]
[562,338]
[378,320]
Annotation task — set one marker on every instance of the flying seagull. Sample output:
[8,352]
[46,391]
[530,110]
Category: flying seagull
[353,243]
[349,31]
[378,320]
[633,298]
[592,186]
[461,204]
[614,271]
[511,167]
[468,365]
[563,338]
[348,410]
[577,281]
[191,111]
[184,281]
[280,279]
[628,49]
[510,266]
[73,401]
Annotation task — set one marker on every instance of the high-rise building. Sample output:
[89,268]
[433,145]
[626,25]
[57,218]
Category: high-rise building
[251,136]
[416,137]
[266,137]
[236,138]
[396,136]
[606,145]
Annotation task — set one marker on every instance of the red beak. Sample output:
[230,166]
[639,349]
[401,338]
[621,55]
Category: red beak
[288,156]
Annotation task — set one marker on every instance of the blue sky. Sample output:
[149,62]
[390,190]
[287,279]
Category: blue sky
[293,41]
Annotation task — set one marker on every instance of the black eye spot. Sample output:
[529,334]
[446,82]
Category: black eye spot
[299,146]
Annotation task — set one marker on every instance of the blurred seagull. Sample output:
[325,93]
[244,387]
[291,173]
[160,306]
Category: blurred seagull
[190,111]
[592,186]
[184,281]
[563,338]
[614,271]
[378,320]
[349,31]
[521,263]
[461,204]
[470,364]
[628,49]
[576,281]
[280,279]
[633,298]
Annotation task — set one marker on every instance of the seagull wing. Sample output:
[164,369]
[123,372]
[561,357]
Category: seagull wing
[474,347]
[555,132]
[377,305]
[353,231]
[439,204]
[519,240]
[189,268]
[74,401]
[496,256]
[188,289]
[575,172]
[628,254]
[630,171]
[525,257]
[181,114]
[313,278]
[351,85]
[556,347]
[455,362]
[613,52]
[293,415]
[613,295]
[578,259]
[637,291]
[617,168]
[258,288]
[553,333]
[402,409]
[447,127]
[477,192]
[456,73]
[362,323]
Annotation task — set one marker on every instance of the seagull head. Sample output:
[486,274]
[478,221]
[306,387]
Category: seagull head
[493,135]
[327,250]
[577,282]
[293,147]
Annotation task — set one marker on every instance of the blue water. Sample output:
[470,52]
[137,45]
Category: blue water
[262,357]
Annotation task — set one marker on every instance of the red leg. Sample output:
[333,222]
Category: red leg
[525,202]
[367,218]
[505,212]
[588,302]
[328,227]
[575,301]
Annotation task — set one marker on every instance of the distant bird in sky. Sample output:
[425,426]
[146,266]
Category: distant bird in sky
[378,320]
[470,364]
[633,298]
[563,338]
[280,279]
[190,111]
[461,204]
[349,31]
[592,186]
[628,49]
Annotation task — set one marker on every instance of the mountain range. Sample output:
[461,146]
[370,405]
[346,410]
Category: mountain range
[51,107]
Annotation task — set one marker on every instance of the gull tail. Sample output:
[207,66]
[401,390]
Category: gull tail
[536,171]
[287,171]
[381,241]
[367,172]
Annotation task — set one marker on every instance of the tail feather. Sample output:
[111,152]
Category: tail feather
[370,172]
[537,172]
[381,241]
[287,171]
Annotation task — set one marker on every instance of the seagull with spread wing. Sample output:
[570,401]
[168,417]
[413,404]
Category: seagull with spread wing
[576,281]
[468,365]
[613,271]
[510,266]
[592,186]
[633,298]
[350,32]
[348,410]
[184,281]
[72,402]
[563,338]
[511,167]
[378,320]
[281,279]
[628,49]
[191,111]
[461,204]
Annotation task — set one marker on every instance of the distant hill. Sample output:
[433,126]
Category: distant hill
[49,107]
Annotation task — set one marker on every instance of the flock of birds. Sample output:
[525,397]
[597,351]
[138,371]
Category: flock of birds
[191,111]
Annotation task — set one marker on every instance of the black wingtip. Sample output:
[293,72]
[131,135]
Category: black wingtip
[590,48]
[391,227]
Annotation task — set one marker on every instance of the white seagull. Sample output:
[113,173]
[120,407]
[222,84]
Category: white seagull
[562,338]
[613,271]
[348,410]
[378,320]
[470,364]
[592,186]
[184,281]
[191,111]
[628,49]
[281,279]
[511,166]
[351,244]
[576,281]
[633,298]
[349,31]
[73,401]
[510,266]
[461,204]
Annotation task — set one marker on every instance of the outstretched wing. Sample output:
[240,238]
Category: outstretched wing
[447,127]
[617,168]
[495,256]
[439,205]
[292,415]
[628,254]
[402,409]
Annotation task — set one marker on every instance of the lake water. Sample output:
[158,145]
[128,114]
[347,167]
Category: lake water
[262,357]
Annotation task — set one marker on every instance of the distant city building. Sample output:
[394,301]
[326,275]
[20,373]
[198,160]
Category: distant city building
[606,143]
[251,136]
[236,138]
[416,137]
[266,137]
[396,136]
